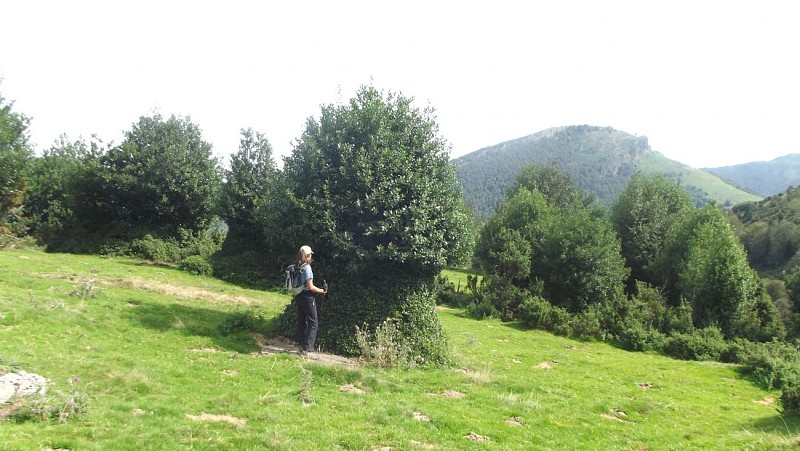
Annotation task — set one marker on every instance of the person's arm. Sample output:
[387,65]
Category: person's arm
[312,288]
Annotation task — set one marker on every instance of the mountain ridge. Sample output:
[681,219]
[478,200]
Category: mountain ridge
[765,178]
[600,159]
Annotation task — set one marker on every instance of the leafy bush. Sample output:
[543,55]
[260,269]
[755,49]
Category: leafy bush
[481,309]
[504,296]
[197,265]
[769,363]
[386,347]
[700,344]
[790,395]
[446,293]
[536,311]
[156,249]
[587,324]
[638,338]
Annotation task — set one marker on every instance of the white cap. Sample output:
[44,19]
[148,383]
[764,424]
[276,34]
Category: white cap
[306,250]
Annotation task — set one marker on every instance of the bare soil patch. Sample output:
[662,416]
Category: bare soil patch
[477,437]
[515,422]
[547,364]
[768,401]
[282,345]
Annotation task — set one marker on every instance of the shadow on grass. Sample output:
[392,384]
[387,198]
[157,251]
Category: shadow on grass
[231,331]
[261,285]
[778,424]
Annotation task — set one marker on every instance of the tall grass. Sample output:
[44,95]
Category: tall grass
[159,374]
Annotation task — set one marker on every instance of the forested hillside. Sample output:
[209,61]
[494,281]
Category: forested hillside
[770,231]
[764,178]
[601,159]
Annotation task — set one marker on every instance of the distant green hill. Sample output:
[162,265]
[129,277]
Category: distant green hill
[764,178]
[770,231]
[601,159]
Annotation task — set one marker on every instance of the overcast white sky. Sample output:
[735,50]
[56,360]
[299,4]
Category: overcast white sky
[710,83]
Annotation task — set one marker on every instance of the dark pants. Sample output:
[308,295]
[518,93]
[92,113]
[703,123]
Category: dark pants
[307,324]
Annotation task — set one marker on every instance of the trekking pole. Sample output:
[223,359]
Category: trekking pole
[324,296]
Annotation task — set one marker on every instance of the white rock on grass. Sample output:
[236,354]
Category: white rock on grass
[21,384]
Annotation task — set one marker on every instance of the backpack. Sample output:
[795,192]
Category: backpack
[293,283]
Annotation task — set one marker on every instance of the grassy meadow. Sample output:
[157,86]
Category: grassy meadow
[156,372]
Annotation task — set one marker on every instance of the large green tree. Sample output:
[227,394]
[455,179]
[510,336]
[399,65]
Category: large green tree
[370,188]
[710,269]
[65,200]
[15,155]
[645,213]
[540,240]
[249,186]
[248,181]
[557,187]
[163,178]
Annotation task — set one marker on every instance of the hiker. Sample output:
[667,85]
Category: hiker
[307,323]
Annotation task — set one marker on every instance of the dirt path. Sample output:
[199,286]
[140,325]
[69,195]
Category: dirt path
[279,345]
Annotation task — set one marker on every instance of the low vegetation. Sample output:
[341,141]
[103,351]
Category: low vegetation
[156,371]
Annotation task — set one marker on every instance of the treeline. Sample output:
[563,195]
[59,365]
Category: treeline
[368,185]
[652,273]
[770,231]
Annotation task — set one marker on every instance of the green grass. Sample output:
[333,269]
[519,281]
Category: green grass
[149,354]
[724,193]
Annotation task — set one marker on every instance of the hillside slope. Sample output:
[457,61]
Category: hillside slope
[601,159]
[764,178]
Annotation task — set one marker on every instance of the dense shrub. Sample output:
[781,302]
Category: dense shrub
[446,294]
[639,338]
[481,309]
[790,394]
[197,265]
[768,363]
[700,344]
[587,324]
[535,311]
[504,296]
[156,249]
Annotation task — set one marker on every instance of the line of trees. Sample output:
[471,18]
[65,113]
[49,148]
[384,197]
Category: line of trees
[368,185]
[554,261]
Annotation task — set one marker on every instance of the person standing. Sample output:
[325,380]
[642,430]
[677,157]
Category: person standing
[307,323]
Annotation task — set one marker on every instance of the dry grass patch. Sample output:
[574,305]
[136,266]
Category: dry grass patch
[419,416]
[477,437]
[349,388]
[453,394]
[515,422]
[211,418]
[180,291]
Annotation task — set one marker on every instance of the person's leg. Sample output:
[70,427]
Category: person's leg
[300,331]
[312,325]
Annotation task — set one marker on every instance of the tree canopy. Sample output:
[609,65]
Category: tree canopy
[15,155]
[371,189]
[162,178]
